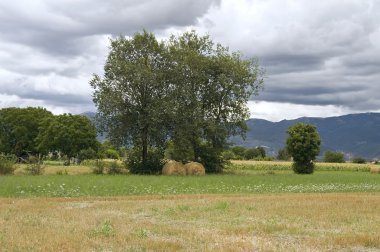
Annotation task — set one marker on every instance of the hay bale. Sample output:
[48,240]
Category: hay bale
[195,168]
[375,169]
[173,168]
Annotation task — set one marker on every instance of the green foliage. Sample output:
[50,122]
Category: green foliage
[333,157]
[19,128]
[98,166]
[34,166]
[85,154]
[283,154]
[254,153]
[7,163]
[114,168]
[359,160]
[239,152]
[303,144]
[228,155]
[131,98]
[186,89]
[179,151]
[153,164]
[68,134]
[111,153]
[211,158]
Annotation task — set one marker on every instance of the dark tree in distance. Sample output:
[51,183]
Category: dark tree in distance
[68,134]
[19,128]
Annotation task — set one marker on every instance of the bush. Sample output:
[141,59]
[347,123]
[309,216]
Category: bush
[86,154]
[34,166]
[153,163]
[303,168]
[114,168]
[333,157]
[211,158]
[359,160]
[253,153]
[111,154]
[283,154]
[7,164]
[98,167]
[303,145]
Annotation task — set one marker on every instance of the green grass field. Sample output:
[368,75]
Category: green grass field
[257,177]
[253,206]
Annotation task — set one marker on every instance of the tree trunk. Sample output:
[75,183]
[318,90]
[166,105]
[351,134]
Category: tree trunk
[144,147]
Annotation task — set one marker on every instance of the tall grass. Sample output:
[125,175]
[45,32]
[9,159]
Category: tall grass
[260,182]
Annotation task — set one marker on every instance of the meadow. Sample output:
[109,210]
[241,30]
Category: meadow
[252,206]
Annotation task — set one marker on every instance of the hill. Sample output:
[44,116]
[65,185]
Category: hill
[354,134]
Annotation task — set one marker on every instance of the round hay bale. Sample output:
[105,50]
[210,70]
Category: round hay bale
[195,168]
[173,168]
[375,169]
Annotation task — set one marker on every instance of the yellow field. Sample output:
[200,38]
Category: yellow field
[286,222]
[281,165]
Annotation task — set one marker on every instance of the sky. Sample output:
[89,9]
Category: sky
[321,58]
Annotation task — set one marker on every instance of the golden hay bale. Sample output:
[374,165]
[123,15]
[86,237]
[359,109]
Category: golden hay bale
[173,168]
[375,169]
[195,168]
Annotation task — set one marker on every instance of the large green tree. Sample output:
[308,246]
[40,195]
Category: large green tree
[19,128]
[212,87]
[303,144]
[132,96]
[186,89]
[68,134]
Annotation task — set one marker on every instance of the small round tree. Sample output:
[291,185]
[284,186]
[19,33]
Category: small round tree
[303,145]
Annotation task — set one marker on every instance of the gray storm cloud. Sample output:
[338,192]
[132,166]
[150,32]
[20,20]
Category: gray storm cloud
[320,53]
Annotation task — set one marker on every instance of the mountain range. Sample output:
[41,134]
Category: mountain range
[356,135]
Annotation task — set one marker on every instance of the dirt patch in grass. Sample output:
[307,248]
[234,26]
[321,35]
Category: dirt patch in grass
[286,222]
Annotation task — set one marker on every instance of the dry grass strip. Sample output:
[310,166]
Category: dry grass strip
[286,222]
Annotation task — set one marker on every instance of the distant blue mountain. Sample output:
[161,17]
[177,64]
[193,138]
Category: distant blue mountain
[354,134]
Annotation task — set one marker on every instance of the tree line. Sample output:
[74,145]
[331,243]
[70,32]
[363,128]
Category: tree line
[37,132]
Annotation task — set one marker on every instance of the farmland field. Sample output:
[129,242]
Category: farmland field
[250,207]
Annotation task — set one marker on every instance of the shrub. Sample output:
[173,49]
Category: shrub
[303,145]
[211,158]
[62,172]
[98,167]
[111,153]
[228,155]
[238,151]
[359,160]
[253,153]
[87,154]
[7,164]
[283,154]
[153,164]
[34,166]
[114,168]
[333,157]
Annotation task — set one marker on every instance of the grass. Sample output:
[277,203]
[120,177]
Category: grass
[287,166]
[254,182]
[239,222]
[254,206]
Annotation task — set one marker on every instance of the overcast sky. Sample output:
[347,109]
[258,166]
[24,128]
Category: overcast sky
[322,58]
